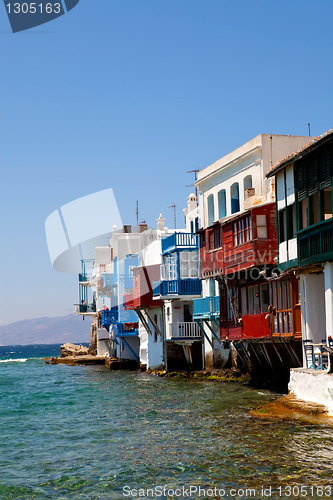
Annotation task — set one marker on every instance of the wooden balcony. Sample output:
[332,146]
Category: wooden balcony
[239,242]
[109,317]
[206,308]
[176,288]
[315,243]
[179,240]
[142,295]
[184,330]
[128,301]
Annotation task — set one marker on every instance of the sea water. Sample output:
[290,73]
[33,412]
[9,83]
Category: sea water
[84,432]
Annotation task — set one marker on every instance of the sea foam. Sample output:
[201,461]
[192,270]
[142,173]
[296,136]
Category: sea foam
[22,360]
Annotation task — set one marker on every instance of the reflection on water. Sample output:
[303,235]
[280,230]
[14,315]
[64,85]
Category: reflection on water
[85,432]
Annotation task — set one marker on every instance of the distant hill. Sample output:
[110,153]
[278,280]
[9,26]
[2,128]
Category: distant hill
[69,328]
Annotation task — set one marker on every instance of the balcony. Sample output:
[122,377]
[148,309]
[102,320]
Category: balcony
[85,308]
[182,330]
[315,243]
[109,317]
[129,301]
[179,240]
[128,329]
[175,288]
[206,308]
[87,268]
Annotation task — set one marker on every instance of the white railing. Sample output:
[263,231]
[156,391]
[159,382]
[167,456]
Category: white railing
[184,330]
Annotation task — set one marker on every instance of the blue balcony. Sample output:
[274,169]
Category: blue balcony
[175,288]
[127,330]
[206,308]
[109,317]
[179,240]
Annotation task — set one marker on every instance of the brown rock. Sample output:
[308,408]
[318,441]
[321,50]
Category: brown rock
[72,350]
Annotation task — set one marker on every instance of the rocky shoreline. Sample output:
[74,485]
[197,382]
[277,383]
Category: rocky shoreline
[290,408]
[210,374]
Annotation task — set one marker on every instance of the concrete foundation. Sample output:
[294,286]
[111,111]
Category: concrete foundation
[312,385]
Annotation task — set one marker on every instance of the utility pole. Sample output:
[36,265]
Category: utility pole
[195,180]
[174,214]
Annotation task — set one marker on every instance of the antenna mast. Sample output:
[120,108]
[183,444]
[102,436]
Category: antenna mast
[137,216]
[195,180]
[174,214]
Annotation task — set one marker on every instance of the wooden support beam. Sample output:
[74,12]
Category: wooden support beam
[153,323]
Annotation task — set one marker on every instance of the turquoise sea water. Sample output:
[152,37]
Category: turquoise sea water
[86,433]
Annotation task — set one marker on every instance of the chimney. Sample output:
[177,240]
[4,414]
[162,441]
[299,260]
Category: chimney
[127,228]
[192,203]
[160,223]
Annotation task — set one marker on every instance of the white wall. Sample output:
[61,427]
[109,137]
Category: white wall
[313,307]
[126,353]
[328,277]
[152,254]
[253,158]
[151,352]
[316,387]
[102,348]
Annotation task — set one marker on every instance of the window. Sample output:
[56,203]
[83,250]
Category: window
[170,267]
[314,204]
[189,265]
[192,227]
[247,183]
[281,302]
[203,239]
[211,288]
[215,238]
[234,195]
[282,225]
[327,203]
[261,226]
[196,224]
[210,202]
[222,203]
[304,213]
[232,303]
[242,231]
[313,182]
[254,299]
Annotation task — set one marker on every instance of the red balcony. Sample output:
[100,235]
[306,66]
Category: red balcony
[128,301]
[239,242]
[142,295]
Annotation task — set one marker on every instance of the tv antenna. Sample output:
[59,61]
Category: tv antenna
[195,180]
[174,214]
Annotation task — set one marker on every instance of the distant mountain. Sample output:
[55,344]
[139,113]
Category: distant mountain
[69,328]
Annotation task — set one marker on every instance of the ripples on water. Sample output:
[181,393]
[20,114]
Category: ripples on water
[85,433]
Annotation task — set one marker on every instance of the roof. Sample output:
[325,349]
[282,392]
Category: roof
[315,143]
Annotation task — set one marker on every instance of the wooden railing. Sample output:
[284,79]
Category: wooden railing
[315,244]
[184,330]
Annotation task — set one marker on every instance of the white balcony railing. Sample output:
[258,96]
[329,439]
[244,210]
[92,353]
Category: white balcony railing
[184,330]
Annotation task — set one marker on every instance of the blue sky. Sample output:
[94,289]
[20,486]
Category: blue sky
[132,94]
